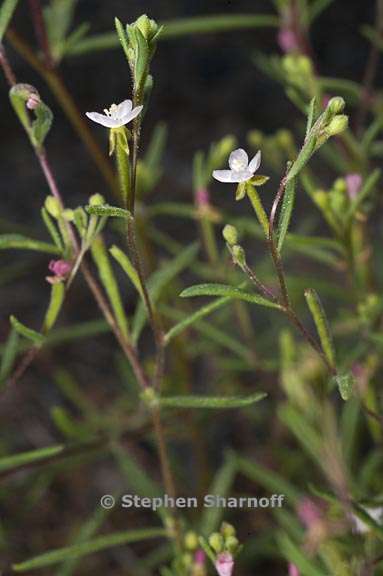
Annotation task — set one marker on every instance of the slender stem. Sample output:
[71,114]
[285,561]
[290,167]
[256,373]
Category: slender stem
[41,32]
[261,287]
[64,98]
[8,72]
[166,472]
[273,248]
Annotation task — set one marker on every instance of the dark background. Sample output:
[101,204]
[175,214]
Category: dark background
[205,87]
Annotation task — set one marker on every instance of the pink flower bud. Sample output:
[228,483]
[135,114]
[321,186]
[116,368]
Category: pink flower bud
[33,101]
[224,564]
[60,269]
[199,557]
[309,512]
[354,183]
[293,570]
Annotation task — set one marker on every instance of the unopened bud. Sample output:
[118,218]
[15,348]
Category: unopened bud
[52,206]
[230,234]
[231,544]
[227,530]
[96,200]
[191,540]
[336,105]
[337,125]
[216,542]
[239,256]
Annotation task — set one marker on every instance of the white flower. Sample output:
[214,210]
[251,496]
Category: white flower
[240,168]
[375,513]
[118,114]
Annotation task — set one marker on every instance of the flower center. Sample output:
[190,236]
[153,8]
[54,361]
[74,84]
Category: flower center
[112,111]
[238,164]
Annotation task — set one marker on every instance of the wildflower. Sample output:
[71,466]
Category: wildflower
[353,183]
[199,557]
[60,269]
[293,570]
[224,564]
[33,101]
[376,513]
[117,116]
[241,170]
[309,512]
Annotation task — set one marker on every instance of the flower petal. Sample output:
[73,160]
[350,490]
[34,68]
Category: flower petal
[255,162]
[238,159]
[103,120]
[124,108]
[222,175]
[130,115]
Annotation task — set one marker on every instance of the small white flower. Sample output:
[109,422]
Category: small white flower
[118,114]
[240,168]
[375,513]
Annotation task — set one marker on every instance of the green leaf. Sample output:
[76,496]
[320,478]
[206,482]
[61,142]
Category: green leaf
[192,318]
[228,292]
[101,258]
[85,548]
[18,460]
[140,481]
[51,227]
[311,116]
[56,301]
[268,478]
[317,7]
[58,16]
[121,37]
[363,515]
[286,211]
[221,485]
[38,128]
[211,402]
[9,355]
[42,124]
[6,12]
[28,333]
[158,281]
[106,210]
[142,59]
[321,323]
[178,28]
[127,266]
[258,208]
[9,241]
[294,555]
[345,383]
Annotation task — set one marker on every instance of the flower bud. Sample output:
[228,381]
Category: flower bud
[239,256]
[68,215]
[227,530]
[230,234]
[191,540]
[336,105]
[96,200]
[340,185]
[147,27]
[52,205]
[224,564]
[231,544]
[337,125]
[216,542]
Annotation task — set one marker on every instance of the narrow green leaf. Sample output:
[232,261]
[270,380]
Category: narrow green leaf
[109,282]
[303,157]
[17,460]
[221,485]
[317,7]
[9,355]
[321,323]
[286,211]
[311,116]
[56,301]
[6,12]
[127,266]
[294,555]
[106,210]
[365,517]
[51,227]
[121,37]
[86,548]
[258,208]
[268,478]
[159,280]
[9,241]
[228,292]
[345,383]
[192,318]
[211,402]
[28,333]
[139,480]
[42,123]
[179,28]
